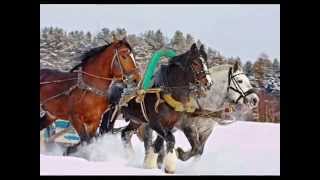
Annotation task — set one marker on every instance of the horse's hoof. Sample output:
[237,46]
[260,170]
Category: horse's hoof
[159,165]
[70,150]
[169,172]
[66,152]
[170,162]
[179,152]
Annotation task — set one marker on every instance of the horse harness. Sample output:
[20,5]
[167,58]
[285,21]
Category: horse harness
[167,97]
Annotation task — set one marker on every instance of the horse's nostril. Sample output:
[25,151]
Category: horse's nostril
[254,101]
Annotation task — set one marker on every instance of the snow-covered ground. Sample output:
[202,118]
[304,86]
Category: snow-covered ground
[241,148]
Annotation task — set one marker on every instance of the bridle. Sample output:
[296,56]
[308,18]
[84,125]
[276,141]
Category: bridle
[125,76]
[238,88]
[198,85]
[82,85]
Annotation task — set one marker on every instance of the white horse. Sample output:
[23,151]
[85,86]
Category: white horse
[230,85]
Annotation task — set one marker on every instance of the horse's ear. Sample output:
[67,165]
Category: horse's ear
[202,48]
[194,47]
[237,67]
[203,53]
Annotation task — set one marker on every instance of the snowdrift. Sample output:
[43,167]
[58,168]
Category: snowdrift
[242,148]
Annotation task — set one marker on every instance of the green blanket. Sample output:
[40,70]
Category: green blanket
[147,79]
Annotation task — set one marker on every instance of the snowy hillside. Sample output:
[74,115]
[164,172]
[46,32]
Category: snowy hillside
[242,148]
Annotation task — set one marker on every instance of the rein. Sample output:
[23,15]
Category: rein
[97,77]
[57,81]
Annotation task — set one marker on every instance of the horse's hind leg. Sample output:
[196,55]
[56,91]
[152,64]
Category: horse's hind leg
[203,137]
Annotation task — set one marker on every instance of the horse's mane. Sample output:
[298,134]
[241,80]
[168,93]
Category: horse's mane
[179,60]
[89,54]
[220,67]
[93,52]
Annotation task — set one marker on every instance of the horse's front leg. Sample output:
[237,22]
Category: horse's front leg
[162,153]
[108,120]
[166,135]
[84,133]
[126,135]
[152,150]
[170,158]
[72,149]
[193,138]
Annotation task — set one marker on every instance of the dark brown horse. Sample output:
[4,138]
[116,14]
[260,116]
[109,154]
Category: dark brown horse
[80,95]
[182,79]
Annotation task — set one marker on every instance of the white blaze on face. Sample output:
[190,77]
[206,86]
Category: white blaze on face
[132,57]
[206,70]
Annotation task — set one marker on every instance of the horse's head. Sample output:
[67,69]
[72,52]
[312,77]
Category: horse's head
[195,62]
[123,63]
[239,87]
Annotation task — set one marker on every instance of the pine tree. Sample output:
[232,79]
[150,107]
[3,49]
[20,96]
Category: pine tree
[159,39]
[276,65]
[178,42]
[133,40]
[248,69]
[103,36]
[120,33]
[189,40]
[231,60]
[262,69]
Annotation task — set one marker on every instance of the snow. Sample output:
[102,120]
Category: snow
[241,148]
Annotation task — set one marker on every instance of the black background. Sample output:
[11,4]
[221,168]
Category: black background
[20,93]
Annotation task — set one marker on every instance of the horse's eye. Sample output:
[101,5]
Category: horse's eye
[239,81]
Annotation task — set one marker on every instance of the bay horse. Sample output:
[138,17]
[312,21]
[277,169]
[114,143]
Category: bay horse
[185,76]
[80,95]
